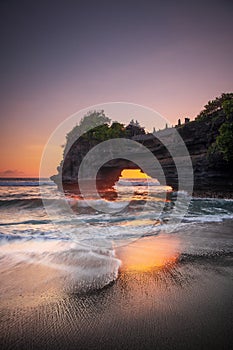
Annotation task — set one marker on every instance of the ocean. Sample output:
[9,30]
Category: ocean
[83,245]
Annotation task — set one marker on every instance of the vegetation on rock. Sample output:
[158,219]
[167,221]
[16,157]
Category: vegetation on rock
[223,145]
[96,126]
[215,105]
[90,121]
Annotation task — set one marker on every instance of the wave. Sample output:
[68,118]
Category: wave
[32,183]
[6,238]
[208,218]
[138,182]
[26,222]
[27,203]
[82,268]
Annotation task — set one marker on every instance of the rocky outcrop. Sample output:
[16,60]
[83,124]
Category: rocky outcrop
[212,177]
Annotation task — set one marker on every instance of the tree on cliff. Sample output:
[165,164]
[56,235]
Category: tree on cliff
[223,145]
[215,105]
[94,126]
[224,141]
[90,121]
[117,130]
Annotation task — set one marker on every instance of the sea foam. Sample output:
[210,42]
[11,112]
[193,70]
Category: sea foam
[81,268]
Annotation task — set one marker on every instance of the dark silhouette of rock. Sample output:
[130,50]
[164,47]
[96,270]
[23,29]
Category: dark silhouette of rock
[210,178]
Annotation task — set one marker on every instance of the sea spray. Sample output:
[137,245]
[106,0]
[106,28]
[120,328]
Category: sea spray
[79,268]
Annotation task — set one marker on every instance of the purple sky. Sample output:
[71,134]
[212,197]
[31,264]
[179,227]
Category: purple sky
[60,56]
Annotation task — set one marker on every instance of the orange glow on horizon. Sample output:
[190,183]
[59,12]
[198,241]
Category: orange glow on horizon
[134,174]
[27,164]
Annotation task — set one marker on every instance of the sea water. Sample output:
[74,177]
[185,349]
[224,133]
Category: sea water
[82,246]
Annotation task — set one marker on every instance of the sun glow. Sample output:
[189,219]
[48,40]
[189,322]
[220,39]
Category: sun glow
[134,174]
[149,253]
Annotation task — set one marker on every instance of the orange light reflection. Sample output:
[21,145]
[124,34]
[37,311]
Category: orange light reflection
[150,252]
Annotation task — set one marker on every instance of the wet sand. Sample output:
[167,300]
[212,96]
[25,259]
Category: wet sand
[162,299]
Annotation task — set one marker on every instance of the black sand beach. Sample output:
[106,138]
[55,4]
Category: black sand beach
[172,300]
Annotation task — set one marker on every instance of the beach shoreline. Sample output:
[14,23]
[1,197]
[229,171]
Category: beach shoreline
[185,301]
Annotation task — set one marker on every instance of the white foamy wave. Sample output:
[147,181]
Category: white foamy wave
[138,182]
[182,193]
[99,205]
[82,268]
[208,218]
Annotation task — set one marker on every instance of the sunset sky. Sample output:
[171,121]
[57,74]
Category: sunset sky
[58,57]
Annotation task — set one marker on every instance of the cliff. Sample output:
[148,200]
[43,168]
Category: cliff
[212,175]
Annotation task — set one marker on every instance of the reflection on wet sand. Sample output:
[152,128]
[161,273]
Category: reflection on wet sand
[149,253]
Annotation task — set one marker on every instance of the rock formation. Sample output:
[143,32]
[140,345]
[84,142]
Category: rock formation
[212,177]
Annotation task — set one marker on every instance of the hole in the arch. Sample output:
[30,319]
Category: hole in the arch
[133,174]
